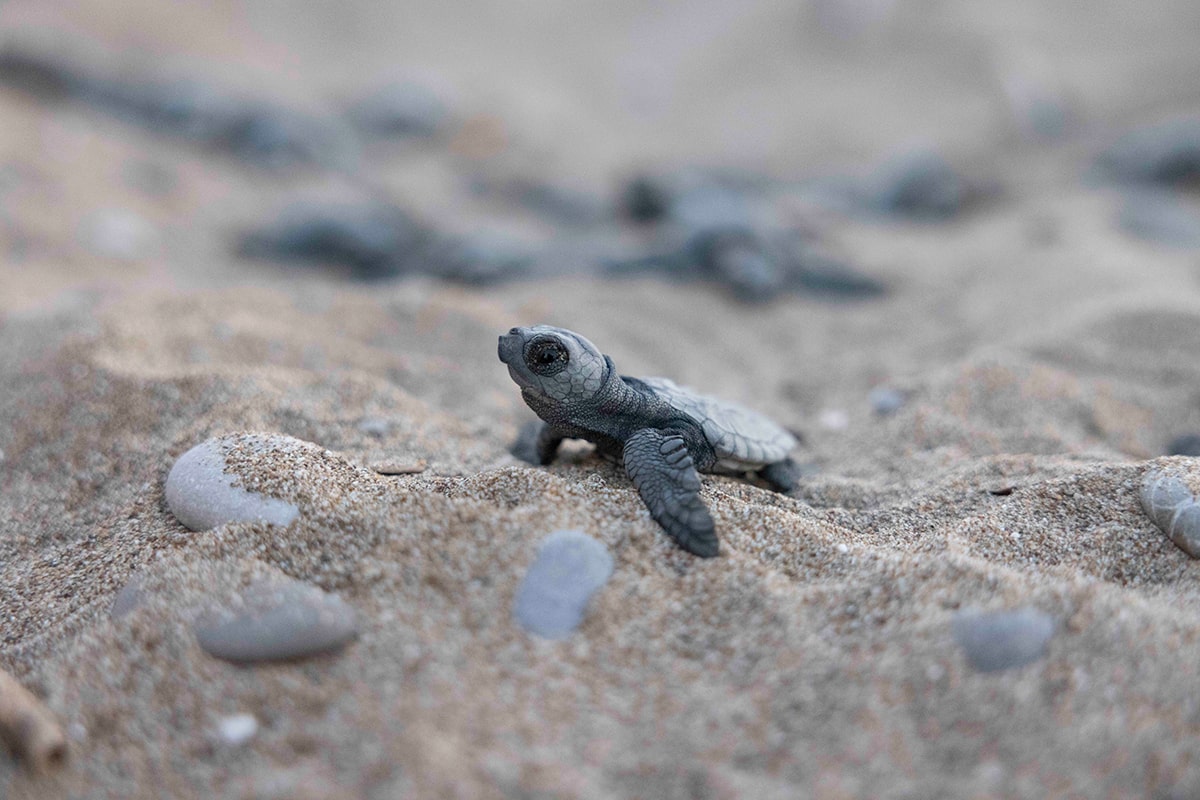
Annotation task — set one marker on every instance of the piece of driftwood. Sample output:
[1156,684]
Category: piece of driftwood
[28,727]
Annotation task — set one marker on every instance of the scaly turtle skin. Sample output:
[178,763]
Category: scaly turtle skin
[663,433]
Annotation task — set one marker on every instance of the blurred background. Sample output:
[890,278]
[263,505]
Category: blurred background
[484,142]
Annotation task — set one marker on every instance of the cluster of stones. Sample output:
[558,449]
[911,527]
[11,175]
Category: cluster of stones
[277,618]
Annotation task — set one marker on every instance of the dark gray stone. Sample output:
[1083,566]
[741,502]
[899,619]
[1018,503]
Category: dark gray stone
[886,400]
[998,640]
[131,596]
[276,619]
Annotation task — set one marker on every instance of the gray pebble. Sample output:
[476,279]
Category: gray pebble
[569,568]
[1170,502]
[277,619]
[132,595]
[236,730]
[203,496]
[886,400]
[998,640]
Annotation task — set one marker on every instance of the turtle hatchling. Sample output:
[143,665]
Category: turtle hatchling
[663,433]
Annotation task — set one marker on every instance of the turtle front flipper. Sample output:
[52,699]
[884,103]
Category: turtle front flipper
[662,470]
[536,443]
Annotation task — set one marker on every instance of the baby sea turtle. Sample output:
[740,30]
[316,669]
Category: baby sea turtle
[662,432]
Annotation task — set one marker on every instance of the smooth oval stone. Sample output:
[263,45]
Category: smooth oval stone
[203,496]
[886,400]
[237,729]
[131,596]
[1170,502]
[552,599]
[277,619]
[997,640]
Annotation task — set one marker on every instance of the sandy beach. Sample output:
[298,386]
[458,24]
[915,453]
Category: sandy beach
[974,437]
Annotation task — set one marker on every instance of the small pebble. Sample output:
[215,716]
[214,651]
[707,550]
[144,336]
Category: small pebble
[569,568]
[203,496]
[1170,500]
[237,729]
[998,640]
[277,619]
[886,400]
[131,596]
[1186,445]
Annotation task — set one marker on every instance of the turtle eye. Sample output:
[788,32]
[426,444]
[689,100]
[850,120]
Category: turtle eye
[547,357]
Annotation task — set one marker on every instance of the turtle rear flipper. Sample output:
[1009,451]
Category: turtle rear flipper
[662,470]
[783,476]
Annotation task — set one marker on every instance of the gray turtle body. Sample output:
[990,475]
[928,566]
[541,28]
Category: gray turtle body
[663,433]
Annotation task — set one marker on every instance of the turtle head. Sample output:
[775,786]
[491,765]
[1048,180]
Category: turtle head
[554,363]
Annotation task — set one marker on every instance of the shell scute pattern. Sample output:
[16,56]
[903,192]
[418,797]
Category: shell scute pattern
[739,435]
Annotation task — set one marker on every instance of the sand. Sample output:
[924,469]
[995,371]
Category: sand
[1046,359]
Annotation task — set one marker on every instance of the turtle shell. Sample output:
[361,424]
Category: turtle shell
[741,438]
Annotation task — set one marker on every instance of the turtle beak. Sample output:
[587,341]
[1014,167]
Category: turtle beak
[510,346]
